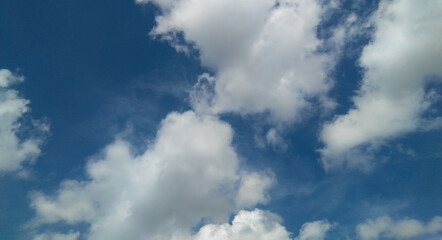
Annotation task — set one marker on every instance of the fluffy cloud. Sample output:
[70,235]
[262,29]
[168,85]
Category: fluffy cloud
[247,225]
[252,190]
[314,230]
[15,150]
[399,62]
[189,175]
[265,54]
[260,225]
[385,227]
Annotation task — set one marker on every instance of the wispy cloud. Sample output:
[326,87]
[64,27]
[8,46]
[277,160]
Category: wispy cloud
[387,228]
[17,146]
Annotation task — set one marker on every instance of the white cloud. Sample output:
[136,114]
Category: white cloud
[314,230]
[7,78]
[247,225]
[385,227]
[264,53]
[252,189]
[189,175]
[399,61]
[260,225]
[57,236]
[15,150]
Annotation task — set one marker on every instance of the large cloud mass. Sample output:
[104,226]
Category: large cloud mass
[399,62]
[15,150]
[264,53]
[187,176]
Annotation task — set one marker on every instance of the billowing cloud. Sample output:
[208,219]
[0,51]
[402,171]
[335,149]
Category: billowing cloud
[247,225]
[400,62]
[260,225]
[265,54]
[15,150]
[189,175]
[386,228]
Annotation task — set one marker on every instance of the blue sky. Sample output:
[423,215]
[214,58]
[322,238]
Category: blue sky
[216,120]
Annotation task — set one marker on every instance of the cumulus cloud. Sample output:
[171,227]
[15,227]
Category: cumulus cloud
[265,54]
[260,225]
[189,175]
[15,147]
[247,225]
[399,62]
[385,227]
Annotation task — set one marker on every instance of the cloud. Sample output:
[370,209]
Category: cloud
[260,225]
[16,147]
[385,227]
[252,189]
[7,78]
[314,230]
[57,236]
[189,175]
[399,62]
[275,140]
[247,225]
[266,56]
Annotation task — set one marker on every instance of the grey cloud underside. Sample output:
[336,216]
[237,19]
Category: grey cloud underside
[57,236]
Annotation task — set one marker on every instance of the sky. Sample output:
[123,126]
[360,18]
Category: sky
[220,119]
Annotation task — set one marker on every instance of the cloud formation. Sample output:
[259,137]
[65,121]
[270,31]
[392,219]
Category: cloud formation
[265,55]
[16,147]
[247,225]
[385,227]
[260,225]
[399,63]
[314,230]
[189,175]
[57,236]
[265,58]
